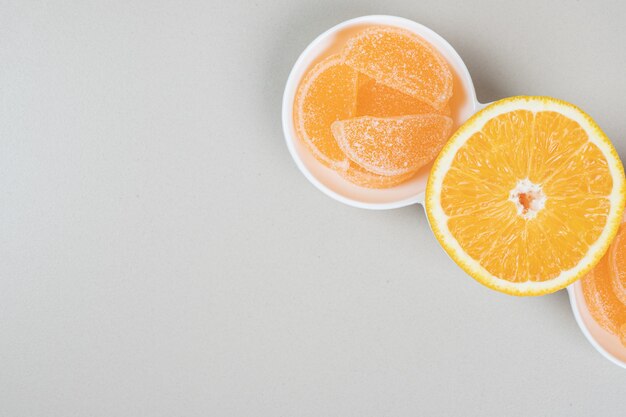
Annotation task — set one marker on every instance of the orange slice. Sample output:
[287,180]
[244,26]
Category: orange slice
[401,60]
[327,93]
[604,300]
[395,145]
[360,176]
[378,100]
[527,195]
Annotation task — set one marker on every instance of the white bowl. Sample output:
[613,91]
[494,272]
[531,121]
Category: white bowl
[463,103]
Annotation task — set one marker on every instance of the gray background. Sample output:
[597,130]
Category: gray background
[162,255]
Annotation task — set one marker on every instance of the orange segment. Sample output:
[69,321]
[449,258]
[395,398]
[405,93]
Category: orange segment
[392,146]
[527,195]
[401,60]
[378,100]
[365,178]
[604,300]
[326,94]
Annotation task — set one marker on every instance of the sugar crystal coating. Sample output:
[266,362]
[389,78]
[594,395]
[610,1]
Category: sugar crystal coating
[360,176]
[326,94]
[401,60]
[617,259]
[400,83]
[604,294]
[394,145]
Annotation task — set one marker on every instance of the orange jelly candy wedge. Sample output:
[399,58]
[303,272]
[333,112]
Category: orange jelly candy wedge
[617,259]
[601,295]
[401,60]
[360,176]
[394,145]
[378,100]
[326,94]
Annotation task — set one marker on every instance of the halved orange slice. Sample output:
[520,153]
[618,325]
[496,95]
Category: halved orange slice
[401,60]
[527,195]
[327,93]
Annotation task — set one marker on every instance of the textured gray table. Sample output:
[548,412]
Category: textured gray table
[162,255]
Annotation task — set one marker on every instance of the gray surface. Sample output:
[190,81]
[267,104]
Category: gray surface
[161,254]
